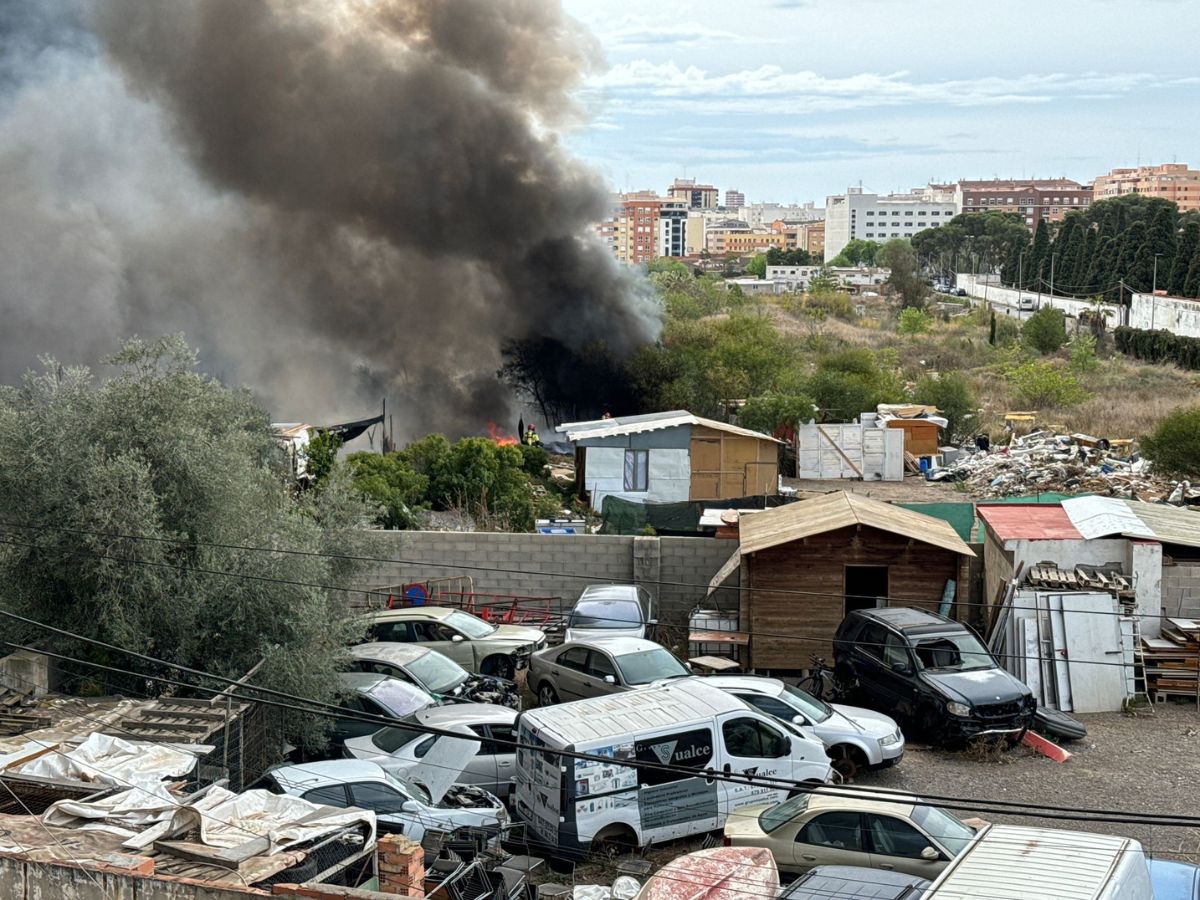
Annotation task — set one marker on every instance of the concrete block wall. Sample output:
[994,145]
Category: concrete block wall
[1181,589]
[560,565]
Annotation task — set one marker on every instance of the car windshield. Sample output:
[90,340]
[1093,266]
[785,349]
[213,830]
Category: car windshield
[782,813]
[437,674]
[605,614]
[646,666]
[474,628]
[400,698]
[392,738]
[954,652]
[410,789]
[947,830]
[817,710]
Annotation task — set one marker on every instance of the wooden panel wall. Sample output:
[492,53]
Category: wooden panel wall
[731,465]
[917,576]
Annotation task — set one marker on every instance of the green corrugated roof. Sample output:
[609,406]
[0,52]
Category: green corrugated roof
[960,516]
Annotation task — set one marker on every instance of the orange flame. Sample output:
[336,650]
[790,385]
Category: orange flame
[497,435]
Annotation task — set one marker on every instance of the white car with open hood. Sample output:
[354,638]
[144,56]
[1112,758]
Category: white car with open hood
[426,798]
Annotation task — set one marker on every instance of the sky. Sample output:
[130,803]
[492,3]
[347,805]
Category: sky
[793,100]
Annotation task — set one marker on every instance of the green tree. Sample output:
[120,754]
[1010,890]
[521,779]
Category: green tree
[898,256]
[1041,385]
[1174,444]
[1163,233]
[1191,285]
[860,253]
[1132,240]
[487,481]
[1189,244]
[1039,256]
[186,470]
[1069,247]
[321,454]
[992,329]
[913,321]
[1045,331]
[1102,271]
[390,484]
[952,395]
[851,382]
[757,266]
[769,413]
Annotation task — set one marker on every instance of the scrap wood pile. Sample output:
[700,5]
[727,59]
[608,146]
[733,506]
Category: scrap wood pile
[1172,660]
[1075,463]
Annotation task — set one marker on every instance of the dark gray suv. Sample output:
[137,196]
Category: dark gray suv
[932,673]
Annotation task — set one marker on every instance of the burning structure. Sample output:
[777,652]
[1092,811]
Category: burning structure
[323,195]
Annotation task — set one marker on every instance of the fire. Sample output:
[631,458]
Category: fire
[499,436]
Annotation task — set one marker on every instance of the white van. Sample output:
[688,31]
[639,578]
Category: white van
[578,805]
[1045,864]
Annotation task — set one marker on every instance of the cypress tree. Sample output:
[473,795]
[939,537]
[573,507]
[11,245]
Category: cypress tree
[1131,242]
[1191,287]
[1040,253]
[1140,274]
[1163,233]
[1101,271]
[1068,260]
[1086,255]
[1185,252]
[992,330]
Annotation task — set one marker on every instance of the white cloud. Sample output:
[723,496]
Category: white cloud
[659,87]
[638,33]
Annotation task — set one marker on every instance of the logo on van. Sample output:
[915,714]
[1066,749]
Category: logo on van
[664,751]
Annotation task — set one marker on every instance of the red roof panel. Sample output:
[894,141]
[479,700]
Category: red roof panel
[1029,522]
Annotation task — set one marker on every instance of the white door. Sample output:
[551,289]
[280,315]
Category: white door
[752,748]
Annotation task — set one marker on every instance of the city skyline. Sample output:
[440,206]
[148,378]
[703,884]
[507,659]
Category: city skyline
[756,98]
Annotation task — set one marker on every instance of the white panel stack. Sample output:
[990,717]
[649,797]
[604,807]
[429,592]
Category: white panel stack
[850,451]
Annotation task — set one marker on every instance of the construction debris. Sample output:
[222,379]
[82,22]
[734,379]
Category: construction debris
[1171,661]
[1043,461]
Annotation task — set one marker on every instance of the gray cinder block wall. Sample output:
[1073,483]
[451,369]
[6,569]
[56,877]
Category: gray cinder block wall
[561,565]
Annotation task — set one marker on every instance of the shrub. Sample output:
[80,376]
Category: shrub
[1046,330]
[1040,384]
[1083,354]
[914,321]
[390,482]
[1007,331]
[851,382]
[770,412]
[1174,445]
[1158,346]
[952,395]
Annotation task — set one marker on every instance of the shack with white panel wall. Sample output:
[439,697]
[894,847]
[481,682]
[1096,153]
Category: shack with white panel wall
[670,457]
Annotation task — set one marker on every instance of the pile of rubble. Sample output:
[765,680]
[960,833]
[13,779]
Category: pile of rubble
[1071,464]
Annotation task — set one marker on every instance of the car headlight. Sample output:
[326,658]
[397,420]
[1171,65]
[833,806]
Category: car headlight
[891,740]
[958,709]
[501,815]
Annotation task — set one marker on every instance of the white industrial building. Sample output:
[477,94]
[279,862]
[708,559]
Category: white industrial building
[856,215]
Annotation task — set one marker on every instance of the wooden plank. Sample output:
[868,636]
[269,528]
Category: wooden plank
[229,858]
[821,430]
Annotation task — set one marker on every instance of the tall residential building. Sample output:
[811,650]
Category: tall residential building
[856,215]
[734,199]
[1032,199]
[672,228]
[1170,181]
[697,196]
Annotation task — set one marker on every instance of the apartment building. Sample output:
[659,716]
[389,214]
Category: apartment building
[857,215]
[1033,200]
[766,213]
[734,199]
[697,196]
[641,226]
[1170,181]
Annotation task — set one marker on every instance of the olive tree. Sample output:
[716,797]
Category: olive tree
[124,498]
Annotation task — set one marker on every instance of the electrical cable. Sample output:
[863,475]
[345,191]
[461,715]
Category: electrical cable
[1132,817]
[419,563]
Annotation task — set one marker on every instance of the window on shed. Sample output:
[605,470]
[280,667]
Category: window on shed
[637,470]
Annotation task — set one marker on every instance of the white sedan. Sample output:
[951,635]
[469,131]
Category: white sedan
[855,738]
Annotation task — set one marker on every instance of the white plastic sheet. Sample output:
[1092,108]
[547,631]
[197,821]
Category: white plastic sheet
[113,761]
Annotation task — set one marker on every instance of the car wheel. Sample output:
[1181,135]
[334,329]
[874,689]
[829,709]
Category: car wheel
[499,666]
[848,760]
[546,695]
[614,841]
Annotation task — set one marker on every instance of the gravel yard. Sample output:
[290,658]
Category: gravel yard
[1144,763]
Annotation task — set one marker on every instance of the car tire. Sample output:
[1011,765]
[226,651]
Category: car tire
[546,695]
[499,665]
[848,760]
[613,841]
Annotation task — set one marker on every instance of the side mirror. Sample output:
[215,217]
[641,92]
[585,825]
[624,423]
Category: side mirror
[929,854]
[457,638]
[610,679]
[800,720]
[412,806]
[902,668]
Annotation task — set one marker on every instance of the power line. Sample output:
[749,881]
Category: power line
[1142,818]
[436,565]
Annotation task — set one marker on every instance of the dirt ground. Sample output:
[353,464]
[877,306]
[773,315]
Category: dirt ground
[1148,762]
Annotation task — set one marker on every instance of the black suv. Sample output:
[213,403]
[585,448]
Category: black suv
[931,672]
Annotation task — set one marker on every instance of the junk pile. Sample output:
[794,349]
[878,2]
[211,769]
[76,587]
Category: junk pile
[1074,463]
[488,689]
[1172,661]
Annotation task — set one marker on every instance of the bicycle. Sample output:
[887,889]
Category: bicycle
[821,682]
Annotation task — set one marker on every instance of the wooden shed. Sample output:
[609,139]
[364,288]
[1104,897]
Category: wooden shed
[921,436]
[807,564]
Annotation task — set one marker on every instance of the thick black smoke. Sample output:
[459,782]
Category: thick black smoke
[333,199]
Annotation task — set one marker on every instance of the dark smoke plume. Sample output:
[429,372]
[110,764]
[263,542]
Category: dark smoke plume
[334,200]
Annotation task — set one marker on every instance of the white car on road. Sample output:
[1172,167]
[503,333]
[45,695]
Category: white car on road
[855,738]
[402,747]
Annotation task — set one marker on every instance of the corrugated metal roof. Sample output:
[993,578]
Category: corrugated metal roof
[1097,517]
[785,524]
[601,428]
[1032,863]
[1169,524]
[1034,522]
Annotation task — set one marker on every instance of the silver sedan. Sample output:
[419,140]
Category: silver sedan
[579,669]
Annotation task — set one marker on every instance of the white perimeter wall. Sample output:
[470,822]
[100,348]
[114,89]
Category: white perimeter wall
[670,475]
[1171,314]
[976,286]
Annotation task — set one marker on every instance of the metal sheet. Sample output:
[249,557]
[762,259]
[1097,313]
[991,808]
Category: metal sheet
[1095,517]
[1058,650]
[1093,642]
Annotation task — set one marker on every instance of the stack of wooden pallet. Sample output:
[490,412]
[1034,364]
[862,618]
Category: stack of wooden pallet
[1172,660]
[1082,578]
